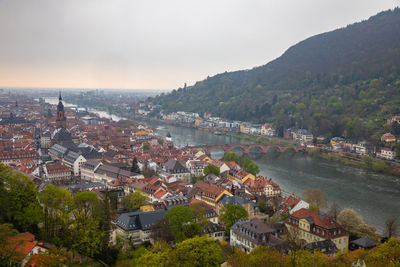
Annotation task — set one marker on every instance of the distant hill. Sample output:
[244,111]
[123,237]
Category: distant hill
[341,83]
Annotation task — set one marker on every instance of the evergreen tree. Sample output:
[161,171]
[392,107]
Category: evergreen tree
[135,167]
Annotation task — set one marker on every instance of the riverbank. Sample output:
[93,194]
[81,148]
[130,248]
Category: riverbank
[365,162]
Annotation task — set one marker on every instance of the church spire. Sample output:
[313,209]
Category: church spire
[61,120]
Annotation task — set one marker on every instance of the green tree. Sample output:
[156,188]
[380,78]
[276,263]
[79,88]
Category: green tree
[230,214]
[231,156]
[211,169]
[304,258]
[86,235]
[135,167]
[379,166]
[86,205]
[181,221]
[134,200]
[198,251]
[57,205]
[86,232]
[387,254]
[19,202]
[158,256]
[252,168]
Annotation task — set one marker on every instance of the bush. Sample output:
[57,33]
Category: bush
[379,166]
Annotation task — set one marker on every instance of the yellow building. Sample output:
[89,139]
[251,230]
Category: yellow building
[311,226]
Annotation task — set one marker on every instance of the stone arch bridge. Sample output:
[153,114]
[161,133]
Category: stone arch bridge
[264,148]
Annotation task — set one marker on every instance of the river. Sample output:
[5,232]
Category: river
[374,196]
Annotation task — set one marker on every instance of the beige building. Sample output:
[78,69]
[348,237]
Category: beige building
[311,227]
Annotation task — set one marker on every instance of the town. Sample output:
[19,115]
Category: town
[161,192]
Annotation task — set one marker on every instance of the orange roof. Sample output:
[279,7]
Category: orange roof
[160,193]
[320,220]
[291,201]
[23,243]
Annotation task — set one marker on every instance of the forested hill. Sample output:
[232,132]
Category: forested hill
[345,82]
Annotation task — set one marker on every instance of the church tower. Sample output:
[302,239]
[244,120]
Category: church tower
[61,121]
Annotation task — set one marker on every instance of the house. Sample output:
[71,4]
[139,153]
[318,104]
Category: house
[263,186]
[108,173]
[337,141]
[361,148]
[24,246]
[311,226]
[292,204]
[266,129]
[394,119]
[136,227]
[248,205]
[325,246]
[156,189]
[386,153]
[245,128]
[388,138]
[255,129]
[209,210]
[88,169]
[196,167]
[363,243]
[55,172]
[214,231]
[45,140]
[74,161]
[8,157]
[220,164]
[175,169]
[210,194]
[303,136]
[247,235]
[240,175]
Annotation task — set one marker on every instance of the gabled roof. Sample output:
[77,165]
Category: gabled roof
[139,220]
[325,246]
[316,218]
[172,165]
[23,244]
[365,242]
[236,200]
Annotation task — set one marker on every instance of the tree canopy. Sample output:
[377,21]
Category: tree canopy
[134,201]
[316,197]
[230,214]
[182,223]
[211,169]
[19,202]
[333,84]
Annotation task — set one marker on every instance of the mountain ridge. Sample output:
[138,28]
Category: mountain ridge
[315,69]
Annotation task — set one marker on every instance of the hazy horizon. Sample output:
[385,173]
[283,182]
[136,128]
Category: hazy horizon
[125,45]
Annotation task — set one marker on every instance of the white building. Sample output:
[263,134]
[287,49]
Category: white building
[386,153]
[74,161]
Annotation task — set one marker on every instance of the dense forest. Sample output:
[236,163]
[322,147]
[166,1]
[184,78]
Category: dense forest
[341,83]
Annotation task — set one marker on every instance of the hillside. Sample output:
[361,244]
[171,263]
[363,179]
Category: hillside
[345,82]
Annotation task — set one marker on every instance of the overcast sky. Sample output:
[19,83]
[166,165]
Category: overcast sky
[156,44]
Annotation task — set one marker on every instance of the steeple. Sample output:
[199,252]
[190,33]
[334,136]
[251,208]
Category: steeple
[61,121]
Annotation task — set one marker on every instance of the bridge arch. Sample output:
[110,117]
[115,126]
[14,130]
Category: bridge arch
[235,148]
